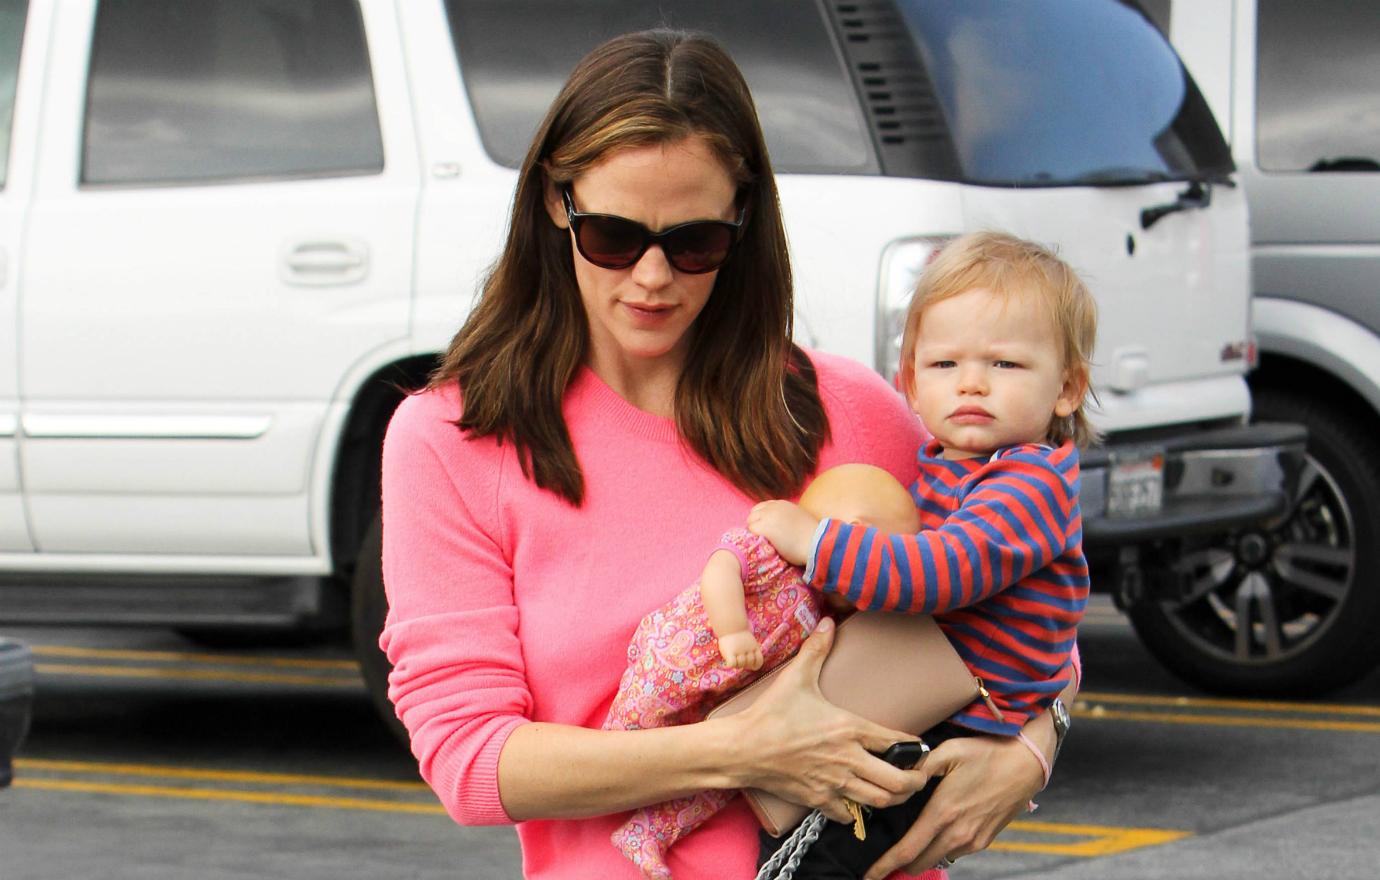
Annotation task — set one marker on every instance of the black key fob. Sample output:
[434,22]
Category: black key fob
[905,755]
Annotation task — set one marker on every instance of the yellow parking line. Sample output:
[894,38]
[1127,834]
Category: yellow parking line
[1222,703]
[192,674]
[1096,840]
[241,776]
[1101,714]
[211,794]
[1104,839]
[186,657]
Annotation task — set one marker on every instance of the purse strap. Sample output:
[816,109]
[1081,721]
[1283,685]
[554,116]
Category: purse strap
[784,862]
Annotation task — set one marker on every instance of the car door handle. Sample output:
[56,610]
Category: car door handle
[324,262]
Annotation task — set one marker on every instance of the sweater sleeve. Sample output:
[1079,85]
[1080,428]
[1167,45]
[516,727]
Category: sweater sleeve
[458,682]
[1014,520]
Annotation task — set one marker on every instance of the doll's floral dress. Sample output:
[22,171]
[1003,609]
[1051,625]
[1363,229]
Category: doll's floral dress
[675,675]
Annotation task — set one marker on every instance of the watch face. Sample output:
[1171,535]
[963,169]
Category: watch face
[1060,713]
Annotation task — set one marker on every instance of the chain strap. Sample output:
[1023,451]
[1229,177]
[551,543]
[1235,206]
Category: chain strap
[784,862]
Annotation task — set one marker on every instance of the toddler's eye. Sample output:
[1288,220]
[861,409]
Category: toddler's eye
[943,365]
[1006,365]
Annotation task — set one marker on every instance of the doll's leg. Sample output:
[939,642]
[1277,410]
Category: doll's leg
[651,831]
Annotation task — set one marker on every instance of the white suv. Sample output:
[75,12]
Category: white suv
[231,232]
[1297,88]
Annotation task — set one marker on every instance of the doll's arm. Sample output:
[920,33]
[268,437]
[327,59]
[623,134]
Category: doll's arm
[721,591]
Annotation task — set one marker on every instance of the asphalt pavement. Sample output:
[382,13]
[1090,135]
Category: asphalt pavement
[151,757]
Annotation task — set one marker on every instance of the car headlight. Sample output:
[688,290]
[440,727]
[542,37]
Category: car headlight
[902,263]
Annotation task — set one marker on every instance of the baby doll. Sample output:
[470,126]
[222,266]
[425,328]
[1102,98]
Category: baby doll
[749,611]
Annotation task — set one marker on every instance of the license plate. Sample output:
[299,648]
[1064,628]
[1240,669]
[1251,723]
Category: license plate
[1135,487]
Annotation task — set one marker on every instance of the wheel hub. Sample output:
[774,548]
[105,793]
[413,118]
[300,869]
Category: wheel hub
[1253,550]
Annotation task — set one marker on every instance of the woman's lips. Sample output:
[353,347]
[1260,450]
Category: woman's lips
[643,313]
[970,415]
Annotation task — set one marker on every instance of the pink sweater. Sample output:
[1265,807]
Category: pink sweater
[508,605]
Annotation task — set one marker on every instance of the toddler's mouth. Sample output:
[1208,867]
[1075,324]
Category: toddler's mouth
[970,415]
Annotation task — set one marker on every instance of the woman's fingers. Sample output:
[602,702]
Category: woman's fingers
[809,660]
[894,783]
[987,783]
[836,810]
[912,851]
[809,751]
[862,792]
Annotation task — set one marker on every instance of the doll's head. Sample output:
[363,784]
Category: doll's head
[861,493]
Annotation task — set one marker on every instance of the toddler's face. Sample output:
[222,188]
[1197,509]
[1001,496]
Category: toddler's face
[989,372]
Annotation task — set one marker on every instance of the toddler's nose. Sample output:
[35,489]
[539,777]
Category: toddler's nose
[972,379]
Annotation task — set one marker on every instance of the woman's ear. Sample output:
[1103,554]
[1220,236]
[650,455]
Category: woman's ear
[1071,395]
[555,204]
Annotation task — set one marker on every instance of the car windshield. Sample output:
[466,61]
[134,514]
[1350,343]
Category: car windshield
[1062,92]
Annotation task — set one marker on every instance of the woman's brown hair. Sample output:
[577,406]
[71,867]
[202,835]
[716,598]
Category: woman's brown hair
[747,401]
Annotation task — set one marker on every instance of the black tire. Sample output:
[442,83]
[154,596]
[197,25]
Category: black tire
[1308,584]
[249,638]
[368,606]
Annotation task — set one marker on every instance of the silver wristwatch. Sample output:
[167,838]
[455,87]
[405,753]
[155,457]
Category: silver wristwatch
[1060,713]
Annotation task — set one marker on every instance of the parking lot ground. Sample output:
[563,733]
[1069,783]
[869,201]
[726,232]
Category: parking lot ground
[150,758]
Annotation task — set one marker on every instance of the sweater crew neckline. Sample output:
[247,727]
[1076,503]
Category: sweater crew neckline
[588,390]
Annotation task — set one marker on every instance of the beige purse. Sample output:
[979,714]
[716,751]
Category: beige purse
[896,669]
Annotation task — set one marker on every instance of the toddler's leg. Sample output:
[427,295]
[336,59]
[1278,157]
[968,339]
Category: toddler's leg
[651,831]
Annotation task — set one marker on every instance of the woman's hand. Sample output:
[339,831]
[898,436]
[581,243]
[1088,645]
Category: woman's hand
[988,781]
[801,747]
[789,528]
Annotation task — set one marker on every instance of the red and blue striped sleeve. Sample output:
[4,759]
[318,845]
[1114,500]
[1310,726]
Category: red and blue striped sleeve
[1019,514]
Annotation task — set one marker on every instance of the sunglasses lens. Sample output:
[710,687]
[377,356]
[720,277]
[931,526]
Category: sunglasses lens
[610,242]
[699,247]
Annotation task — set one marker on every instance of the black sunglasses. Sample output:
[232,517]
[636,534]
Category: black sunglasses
[613,242]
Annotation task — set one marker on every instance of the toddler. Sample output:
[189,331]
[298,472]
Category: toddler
[995,362]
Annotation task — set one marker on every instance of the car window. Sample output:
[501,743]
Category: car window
[1318,86]
[228,89]
[11,37]
[516,54]
[1063,92]
[1158,12]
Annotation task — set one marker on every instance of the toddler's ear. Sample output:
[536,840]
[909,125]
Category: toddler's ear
[905,383]
[1071,395]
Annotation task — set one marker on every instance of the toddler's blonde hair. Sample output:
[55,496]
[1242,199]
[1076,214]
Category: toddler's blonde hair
[1011,266]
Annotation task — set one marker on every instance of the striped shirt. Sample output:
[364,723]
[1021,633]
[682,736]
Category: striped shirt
[999,563]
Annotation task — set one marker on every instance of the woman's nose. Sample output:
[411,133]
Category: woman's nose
[653,270]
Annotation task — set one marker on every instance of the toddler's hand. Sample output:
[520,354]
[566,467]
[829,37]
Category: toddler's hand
[741,651]
[787,526]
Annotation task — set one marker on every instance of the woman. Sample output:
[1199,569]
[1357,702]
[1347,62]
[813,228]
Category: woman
[629,390]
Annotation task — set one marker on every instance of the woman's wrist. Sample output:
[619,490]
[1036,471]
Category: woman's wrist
[1039,739]
[724,762]
[1039,756]
[1039,733]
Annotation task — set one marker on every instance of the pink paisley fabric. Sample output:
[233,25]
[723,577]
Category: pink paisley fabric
[675,676]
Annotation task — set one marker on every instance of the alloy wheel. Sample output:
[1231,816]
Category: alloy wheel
[1262,596]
